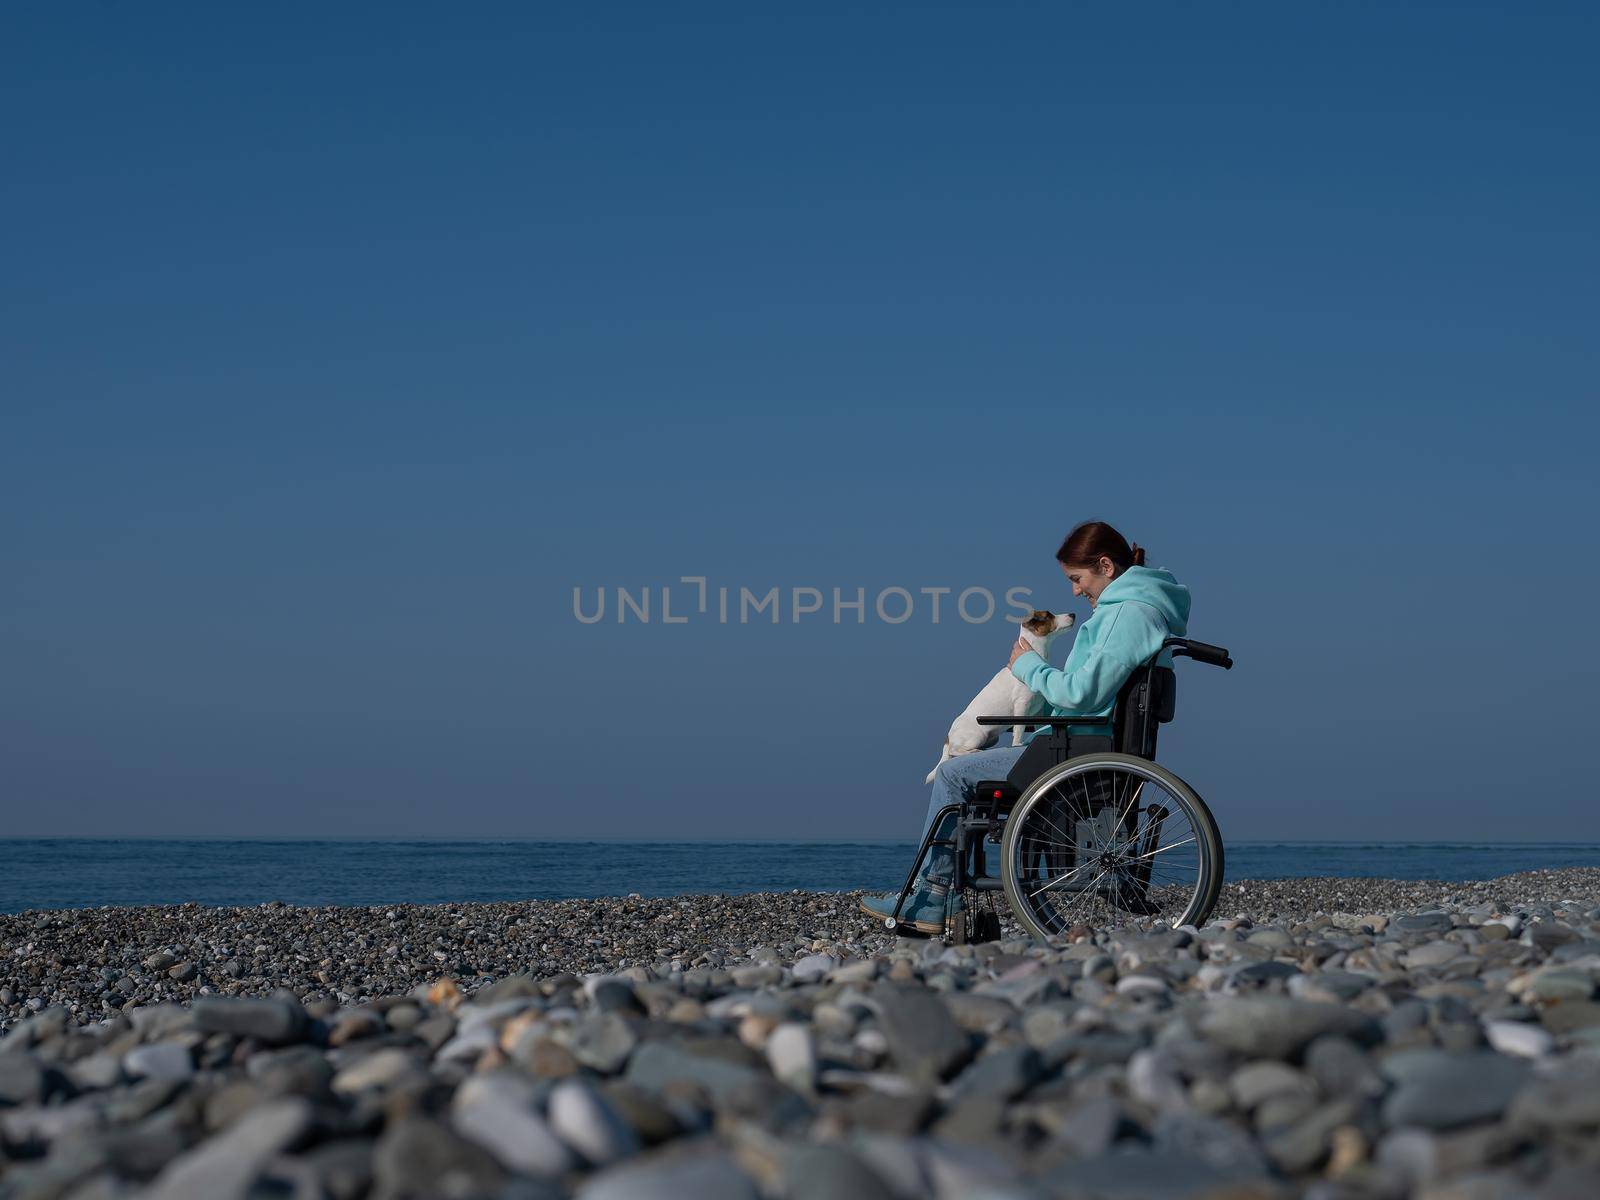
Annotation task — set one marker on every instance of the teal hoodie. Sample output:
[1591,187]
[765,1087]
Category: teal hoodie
[1138,610]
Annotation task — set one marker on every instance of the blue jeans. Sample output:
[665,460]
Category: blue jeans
[956,780]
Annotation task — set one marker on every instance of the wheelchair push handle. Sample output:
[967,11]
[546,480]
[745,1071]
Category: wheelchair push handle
[1203,652]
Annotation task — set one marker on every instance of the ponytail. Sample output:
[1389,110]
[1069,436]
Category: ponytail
[1093,540]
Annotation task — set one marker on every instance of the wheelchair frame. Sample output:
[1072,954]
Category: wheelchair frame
[1145,702]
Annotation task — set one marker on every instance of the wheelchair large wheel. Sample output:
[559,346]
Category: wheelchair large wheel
[1104,839]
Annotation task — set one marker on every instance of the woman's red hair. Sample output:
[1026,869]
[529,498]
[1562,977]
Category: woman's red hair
[1086,545]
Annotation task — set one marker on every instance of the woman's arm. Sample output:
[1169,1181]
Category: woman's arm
[1136,632]
[1090,688]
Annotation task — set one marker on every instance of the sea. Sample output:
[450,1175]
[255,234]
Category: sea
[44,873]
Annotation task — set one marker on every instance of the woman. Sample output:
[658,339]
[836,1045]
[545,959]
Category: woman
[1136,608]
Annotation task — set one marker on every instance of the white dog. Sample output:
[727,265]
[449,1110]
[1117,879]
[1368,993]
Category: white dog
[1005,693]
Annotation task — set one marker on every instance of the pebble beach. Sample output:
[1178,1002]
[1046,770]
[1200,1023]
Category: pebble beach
[1327,1038]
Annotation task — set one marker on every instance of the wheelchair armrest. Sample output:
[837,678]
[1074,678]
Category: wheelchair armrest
[1069,719]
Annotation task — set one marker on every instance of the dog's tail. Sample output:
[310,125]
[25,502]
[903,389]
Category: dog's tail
[940,763]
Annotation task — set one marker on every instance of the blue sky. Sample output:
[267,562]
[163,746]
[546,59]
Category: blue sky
[340,346]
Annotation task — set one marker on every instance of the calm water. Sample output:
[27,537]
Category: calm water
[74,872]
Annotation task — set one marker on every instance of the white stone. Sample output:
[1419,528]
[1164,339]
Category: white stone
[1152,1080]
[734,1004]
[1519,1038]
[470,1016]
[813,967]
[376,1070]
[863,970]
[873,1041]
[469,1043]
[226,1165]
[161,1060]
[1141,985]
[497,1112]
[585,1120]
[793,1056]
[1431,954]
[93,1072]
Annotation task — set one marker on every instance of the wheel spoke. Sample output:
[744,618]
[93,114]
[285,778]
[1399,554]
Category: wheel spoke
[1057,828]
[1162,850]
[1090,894]
[1058,880]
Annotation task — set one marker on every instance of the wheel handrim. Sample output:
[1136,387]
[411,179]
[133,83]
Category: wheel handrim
[1107,843]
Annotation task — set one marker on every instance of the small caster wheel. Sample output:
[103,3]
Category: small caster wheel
[986,927]
[890,924]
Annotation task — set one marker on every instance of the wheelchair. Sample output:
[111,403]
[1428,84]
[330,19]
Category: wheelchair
[1088,830]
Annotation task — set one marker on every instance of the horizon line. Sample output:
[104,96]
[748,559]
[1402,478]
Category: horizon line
[580,839]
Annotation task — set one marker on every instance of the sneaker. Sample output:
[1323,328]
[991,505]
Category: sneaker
[882,906]
[929,910]
[922,911]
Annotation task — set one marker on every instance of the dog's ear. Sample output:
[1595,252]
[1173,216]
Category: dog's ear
[1040,622]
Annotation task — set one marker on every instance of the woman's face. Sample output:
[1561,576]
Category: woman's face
[1090,580]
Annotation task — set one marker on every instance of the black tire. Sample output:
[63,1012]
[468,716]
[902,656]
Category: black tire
[1105,839]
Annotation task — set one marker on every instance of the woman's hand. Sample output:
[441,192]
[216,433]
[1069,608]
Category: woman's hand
[1018,651]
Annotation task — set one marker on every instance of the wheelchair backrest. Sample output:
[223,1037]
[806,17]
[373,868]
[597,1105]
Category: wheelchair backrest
[1146,702]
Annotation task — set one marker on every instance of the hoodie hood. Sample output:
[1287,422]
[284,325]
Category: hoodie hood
[1152,586]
